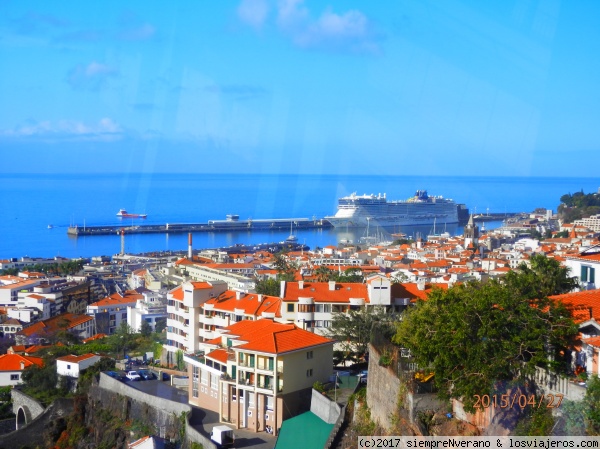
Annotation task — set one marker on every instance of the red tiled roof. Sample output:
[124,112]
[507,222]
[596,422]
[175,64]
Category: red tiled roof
[76,358]
[220,355]
[54,324]
[250,303]
[584,304]
[321,293]
[12,362]
[274,338]
[95,337]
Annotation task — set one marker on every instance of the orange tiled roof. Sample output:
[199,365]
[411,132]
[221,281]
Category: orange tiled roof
[76,358]
[249,302]
[321,293]
[95,337]
[12,362]
[220,355]
[584,304]
[54,324]
[274,338]
[116,299]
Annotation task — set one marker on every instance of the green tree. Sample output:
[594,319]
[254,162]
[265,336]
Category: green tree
[286,269]
[268,286]
[545,277]
[591,403]
[145,329]
[323,274]
[351,275]
[352,330]
[476,337]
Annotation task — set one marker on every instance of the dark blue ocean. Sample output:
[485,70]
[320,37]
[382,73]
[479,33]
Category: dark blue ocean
[32,202]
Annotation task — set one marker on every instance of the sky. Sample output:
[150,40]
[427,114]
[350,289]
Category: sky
[419,87]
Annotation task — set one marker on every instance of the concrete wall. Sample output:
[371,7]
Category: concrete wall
[162,411]
[324,408]
[382,391]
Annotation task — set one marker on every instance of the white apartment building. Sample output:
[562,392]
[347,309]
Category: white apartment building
[184,307]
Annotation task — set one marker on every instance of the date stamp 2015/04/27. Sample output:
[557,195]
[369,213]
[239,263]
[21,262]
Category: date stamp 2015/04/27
[517,400]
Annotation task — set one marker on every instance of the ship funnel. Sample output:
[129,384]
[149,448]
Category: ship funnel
[190,256]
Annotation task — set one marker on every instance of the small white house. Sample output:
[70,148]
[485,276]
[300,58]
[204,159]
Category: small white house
[12,366]
[72,365]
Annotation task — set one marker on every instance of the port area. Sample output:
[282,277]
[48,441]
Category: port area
[210,226]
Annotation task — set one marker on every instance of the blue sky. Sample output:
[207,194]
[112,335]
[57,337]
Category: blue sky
[499,88]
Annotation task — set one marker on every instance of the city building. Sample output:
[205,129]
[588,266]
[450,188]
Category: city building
[184,307]
[259,372]
[73,365]
[584,266]
[81,326]
[12,367]
[110,312]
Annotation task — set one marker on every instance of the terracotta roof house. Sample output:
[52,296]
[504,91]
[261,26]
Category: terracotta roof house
[13,365]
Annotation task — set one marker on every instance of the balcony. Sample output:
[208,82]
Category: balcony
[245,382]
[209,320]
[267,387]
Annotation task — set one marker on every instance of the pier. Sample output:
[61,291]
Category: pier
[232,224]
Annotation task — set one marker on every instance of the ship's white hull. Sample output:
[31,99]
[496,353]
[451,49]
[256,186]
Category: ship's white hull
[388,222]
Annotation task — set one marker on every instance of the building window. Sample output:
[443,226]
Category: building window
[251,399]
[319,308]
[214,381]
[204,375]
[290,307]
[309,355]
[14,377]
[68,366]
[326,323]
[309,372]
[327,308]
[269,402]
[195,370]
[588,274]
[233,395]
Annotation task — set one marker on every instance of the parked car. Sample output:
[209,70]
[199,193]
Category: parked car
[146,374]
[133,375]
[115,375]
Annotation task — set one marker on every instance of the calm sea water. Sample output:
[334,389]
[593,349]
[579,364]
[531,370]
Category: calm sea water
[31,202]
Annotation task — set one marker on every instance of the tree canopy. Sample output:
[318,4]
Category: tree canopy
[578,205]
[352,330]
[476,337]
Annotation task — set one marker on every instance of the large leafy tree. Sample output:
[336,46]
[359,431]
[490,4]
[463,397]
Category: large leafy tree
[544,277]
[352,330]
[476,337]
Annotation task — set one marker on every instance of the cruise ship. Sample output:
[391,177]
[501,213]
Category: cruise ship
[375,210]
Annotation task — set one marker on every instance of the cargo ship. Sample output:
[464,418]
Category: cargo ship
[124,214]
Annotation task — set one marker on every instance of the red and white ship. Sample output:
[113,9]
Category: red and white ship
[124,214]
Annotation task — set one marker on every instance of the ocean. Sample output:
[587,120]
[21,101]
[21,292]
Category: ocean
[32,202]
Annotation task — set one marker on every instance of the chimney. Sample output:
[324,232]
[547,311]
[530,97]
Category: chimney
[22,365]
[300,285]
[421,284]
[190,256]
[331,285]
[259,296]
[239,295]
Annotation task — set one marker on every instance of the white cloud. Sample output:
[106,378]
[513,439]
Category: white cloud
[92,76]
[348,31]
[253,12]
[106,129]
